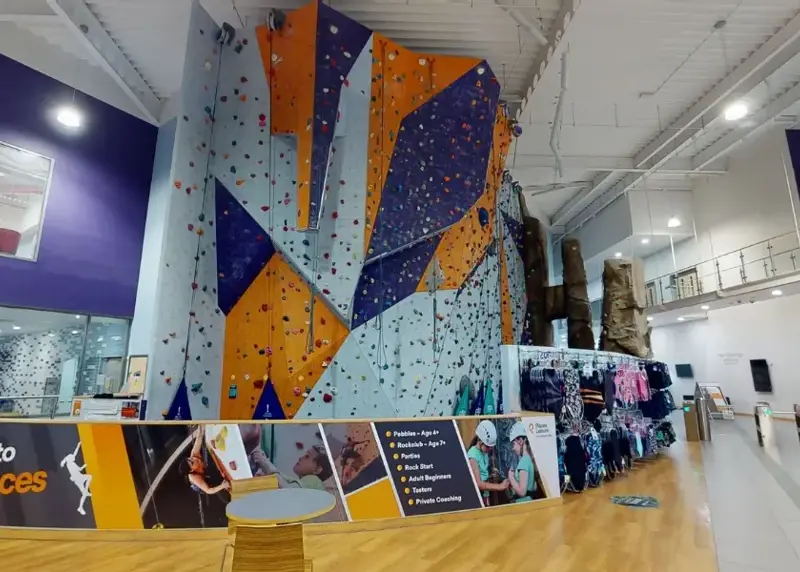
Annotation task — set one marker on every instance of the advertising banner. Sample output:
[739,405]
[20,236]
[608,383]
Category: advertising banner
[43,477]
[141,475]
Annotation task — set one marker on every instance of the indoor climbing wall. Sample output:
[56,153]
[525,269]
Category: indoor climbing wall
[347,257]
[185,363]
[513,300]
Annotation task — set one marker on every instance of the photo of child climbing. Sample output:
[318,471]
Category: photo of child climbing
[296,454]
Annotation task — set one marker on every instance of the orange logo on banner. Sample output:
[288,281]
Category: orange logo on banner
[22,483]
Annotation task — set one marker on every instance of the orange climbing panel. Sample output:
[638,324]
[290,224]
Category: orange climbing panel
[269,335]
[288,56]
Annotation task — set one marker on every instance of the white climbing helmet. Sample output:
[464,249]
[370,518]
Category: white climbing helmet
[517,430]
[487,433]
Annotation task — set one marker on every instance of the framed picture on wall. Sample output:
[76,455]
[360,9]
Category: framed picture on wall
[24,187]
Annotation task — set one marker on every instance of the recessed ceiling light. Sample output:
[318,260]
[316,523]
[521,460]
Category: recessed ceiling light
[69,116]
[681,319]
[51,334]
[77,316]
[617,255]
[674,222]
[736,111]
[15,328]
[645,241]
[777,292]
[704,307]
[74,331]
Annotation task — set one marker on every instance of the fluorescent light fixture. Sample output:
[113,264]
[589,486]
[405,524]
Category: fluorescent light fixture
[777,293]
[704,307]
[736,111]
[51,334]
[75,331]
[645,241]
[681,319]
[15,328]
[674,222]
[617,255]
[649,319]
[69,116]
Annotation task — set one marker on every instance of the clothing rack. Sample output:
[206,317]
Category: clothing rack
[596,397]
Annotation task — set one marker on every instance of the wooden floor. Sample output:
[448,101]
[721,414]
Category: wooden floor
[587,534]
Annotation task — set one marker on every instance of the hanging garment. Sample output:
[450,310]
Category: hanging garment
[541,389]
[563,477]
[608,459]
[658,375]
[592,393]
[573,404]
[595,470]
[642,385]
[625,448]
[661,404]
[575,462]
[652,445]
[609,388]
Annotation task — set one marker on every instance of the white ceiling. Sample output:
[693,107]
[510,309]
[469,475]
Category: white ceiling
[647,79]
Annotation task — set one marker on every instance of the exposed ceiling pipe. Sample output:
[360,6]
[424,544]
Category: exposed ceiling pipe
[556,130]
[524,23]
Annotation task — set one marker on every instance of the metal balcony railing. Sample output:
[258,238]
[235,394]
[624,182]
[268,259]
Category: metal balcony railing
[760,261]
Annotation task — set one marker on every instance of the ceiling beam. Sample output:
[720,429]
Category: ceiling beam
[756,122]
[674,166]
[761,64]
[26,12]
[77,16]
[548,52]
[531,27]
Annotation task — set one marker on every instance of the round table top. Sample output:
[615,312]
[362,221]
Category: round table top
[280,506]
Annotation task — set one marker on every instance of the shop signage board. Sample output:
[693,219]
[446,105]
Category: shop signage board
[428,467]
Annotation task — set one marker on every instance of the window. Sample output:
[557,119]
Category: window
[48,357]
[24,183]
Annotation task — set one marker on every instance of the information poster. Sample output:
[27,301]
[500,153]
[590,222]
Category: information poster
[141,475]
[427,466]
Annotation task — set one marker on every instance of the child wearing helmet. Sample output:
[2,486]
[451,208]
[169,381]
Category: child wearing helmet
[522,478]
[478,454]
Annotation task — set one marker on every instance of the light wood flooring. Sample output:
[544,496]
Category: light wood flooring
[587,534]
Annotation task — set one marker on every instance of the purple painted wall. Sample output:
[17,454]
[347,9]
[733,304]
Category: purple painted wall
[91,242]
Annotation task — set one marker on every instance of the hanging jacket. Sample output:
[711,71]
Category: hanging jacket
[575,463]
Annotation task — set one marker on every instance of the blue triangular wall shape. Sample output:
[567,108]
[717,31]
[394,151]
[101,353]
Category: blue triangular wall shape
[269,406]
[243,248]
[179,409]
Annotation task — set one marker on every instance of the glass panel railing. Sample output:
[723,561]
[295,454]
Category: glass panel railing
[753,263]
[34,406]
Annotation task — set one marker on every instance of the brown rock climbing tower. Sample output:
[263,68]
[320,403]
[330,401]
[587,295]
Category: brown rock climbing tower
[547,303]
[576,296]
[624,329]
[537,323]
